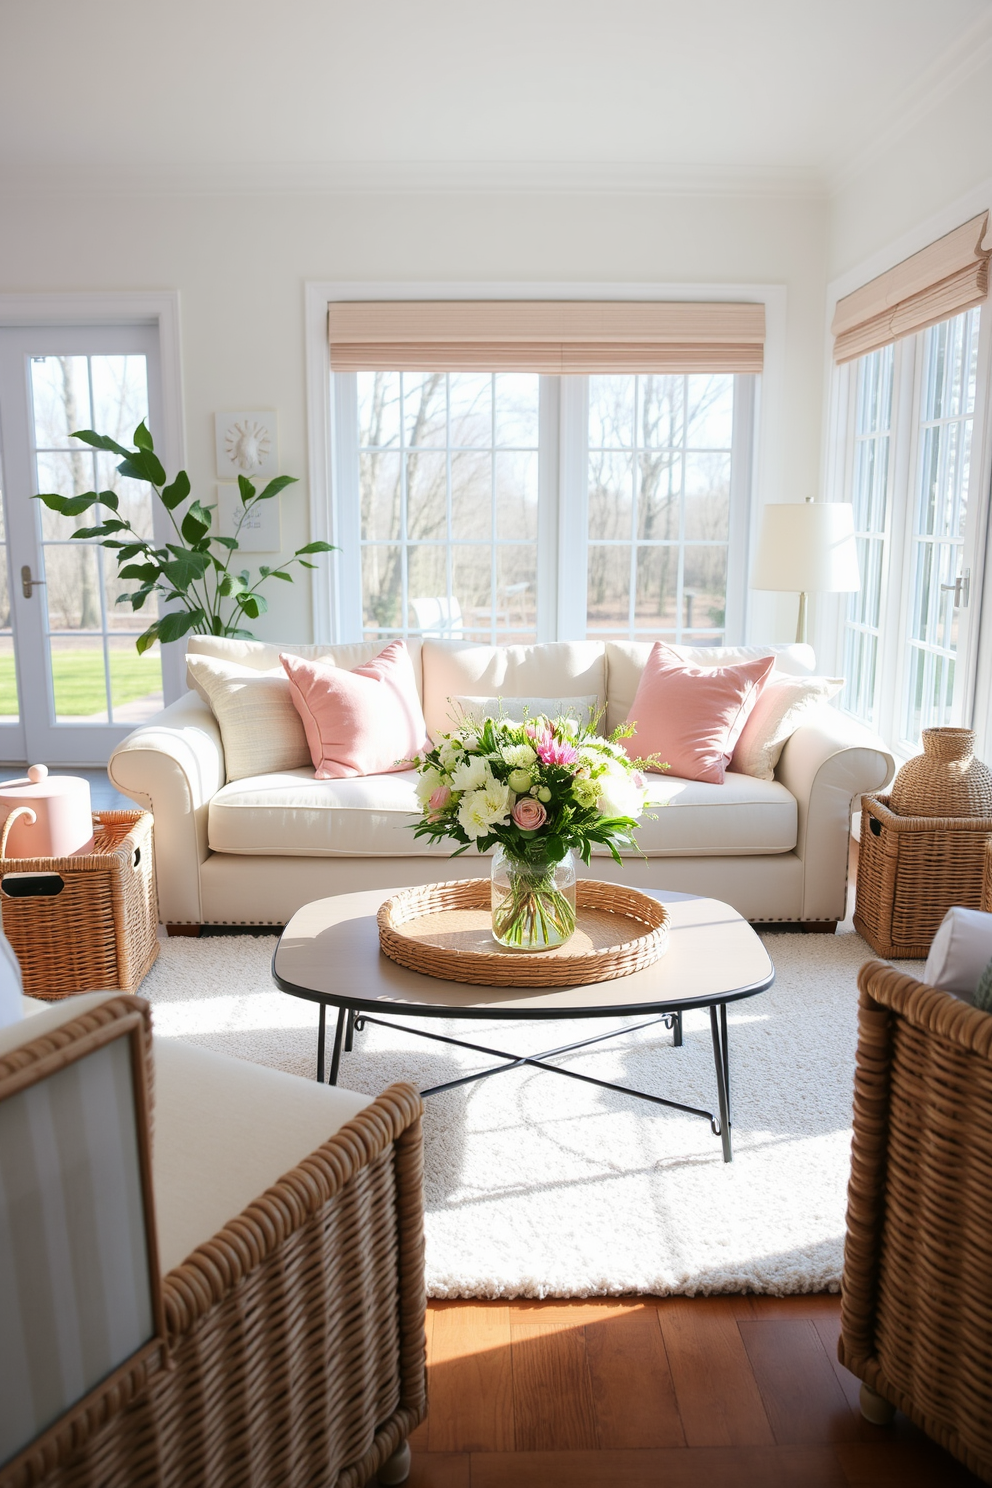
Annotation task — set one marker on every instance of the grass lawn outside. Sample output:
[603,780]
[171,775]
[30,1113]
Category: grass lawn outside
[80,686]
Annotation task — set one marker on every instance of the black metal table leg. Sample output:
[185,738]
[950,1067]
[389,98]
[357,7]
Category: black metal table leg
[349,1038]
[343,1013]
[321,1032]
[721,1059]
[677,1031]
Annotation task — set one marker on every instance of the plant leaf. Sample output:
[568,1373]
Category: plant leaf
[317,547]
[177,622]
[109,499]
[254,605]
[129,550]
[175,494]
[278,573]
[275,486]
[143,465]
[195,523]
[147,572]
[247,490]
[147,638]
[227,542]
[73,505]
[142,438]
[100,441]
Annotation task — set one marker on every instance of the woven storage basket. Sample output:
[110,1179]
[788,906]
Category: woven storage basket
[987,882]
[911,869]
[99,931]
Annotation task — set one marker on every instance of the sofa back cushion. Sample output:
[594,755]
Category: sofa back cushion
[626,660]
[260,729]
[264,655]
[558,669]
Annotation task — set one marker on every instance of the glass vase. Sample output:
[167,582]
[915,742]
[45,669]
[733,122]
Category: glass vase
[533,901]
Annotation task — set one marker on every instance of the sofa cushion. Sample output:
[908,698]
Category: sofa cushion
[294,815]
[364,720]
[464,668]
[625,661]
[225,1130]
[264,655]
[258,723]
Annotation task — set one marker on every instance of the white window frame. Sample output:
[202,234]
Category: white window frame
[562,607]
[903,475]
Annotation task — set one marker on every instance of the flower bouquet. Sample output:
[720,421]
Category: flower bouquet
[535,791]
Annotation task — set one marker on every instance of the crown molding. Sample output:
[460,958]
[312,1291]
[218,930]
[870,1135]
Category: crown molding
[968,54]
[396,177]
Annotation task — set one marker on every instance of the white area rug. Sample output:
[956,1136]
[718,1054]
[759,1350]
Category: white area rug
[539,1186]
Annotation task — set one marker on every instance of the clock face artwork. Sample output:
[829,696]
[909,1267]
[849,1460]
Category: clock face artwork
[246,445]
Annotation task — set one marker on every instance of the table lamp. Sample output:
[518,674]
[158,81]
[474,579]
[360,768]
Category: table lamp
[809,547]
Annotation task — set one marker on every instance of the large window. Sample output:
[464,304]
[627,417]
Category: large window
[910,635]
[517,507]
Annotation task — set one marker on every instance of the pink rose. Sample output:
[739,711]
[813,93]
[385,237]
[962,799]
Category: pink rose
[637,780]
[529,814]
[439,798]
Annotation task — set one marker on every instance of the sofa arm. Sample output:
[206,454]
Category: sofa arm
[172,766]
[829,761]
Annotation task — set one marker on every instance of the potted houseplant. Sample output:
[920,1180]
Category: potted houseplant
[194,572]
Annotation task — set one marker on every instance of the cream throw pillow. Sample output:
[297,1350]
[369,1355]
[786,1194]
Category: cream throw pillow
[261,730]
[519,709]
[774,719]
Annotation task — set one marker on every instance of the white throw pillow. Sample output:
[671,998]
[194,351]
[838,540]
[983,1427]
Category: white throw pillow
[960,952]
[261,730]
[774,719]
[518,709]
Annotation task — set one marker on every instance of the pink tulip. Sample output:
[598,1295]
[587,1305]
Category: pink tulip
[439,798]
[529,814]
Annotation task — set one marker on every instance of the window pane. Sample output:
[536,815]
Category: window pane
[60,399]
[79,679]
[870,476]
[135,681]
[682,438]
[611,412]
[120,395]
[440,495]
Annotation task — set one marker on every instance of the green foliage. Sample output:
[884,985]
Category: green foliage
[193,572]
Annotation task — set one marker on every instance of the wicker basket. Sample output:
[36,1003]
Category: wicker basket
[987,881]
[911,869]
[89,922]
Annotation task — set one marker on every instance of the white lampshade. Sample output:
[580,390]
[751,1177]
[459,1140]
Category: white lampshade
[808,547]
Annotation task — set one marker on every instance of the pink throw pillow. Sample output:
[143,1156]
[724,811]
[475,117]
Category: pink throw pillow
[691,717]
[367,721]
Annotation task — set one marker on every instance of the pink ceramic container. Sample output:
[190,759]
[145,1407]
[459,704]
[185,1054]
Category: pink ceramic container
[45,816]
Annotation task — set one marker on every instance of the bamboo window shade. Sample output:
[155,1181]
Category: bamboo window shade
[553,337]
[949,276]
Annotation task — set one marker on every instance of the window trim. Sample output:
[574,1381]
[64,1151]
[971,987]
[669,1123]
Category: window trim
[328,520]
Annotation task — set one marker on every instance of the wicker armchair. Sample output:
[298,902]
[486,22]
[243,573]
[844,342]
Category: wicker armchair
[286,1349]
[916,1311]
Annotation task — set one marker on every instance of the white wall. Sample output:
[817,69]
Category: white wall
[240,264]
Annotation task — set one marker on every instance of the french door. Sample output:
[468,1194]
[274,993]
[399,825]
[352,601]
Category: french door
[917,430]
[71,682]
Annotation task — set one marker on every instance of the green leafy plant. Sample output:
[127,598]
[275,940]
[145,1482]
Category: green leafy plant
[194,571]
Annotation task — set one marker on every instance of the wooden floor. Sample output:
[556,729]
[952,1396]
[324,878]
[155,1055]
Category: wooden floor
[707,1392]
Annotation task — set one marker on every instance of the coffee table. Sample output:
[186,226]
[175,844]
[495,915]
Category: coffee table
[329,954]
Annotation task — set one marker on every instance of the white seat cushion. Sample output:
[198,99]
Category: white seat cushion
[743,816]
[294,815]
[225,1130]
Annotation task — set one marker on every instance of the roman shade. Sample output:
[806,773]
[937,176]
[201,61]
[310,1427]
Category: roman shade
[545,336]
[949,276]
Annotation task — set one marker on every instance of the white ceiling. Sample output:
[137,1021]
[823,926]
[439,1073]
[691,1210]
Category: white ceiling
[780,94]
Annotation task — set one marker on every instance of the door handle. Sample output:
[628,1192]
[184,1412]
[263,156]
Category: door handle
[961,589]
[27,582]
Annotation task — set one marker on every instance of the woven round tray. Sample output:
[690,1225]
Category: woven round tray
[445,930]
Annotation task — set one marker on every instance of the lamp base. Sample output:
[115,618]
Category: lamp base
[801,622]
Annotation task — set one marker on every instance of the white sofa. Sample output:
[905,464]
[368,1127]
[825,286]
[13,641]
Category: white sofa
[254,850]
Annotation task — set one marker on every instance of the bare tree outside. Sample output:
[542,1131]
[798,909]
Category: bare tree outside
[659,505]
[448,483]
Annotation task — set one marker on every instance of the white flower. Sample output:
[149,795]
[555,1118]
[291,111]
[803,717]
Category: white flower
[428,783]
[518,756]
[618,795]
[450,753]
[481,809]
[472,774]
